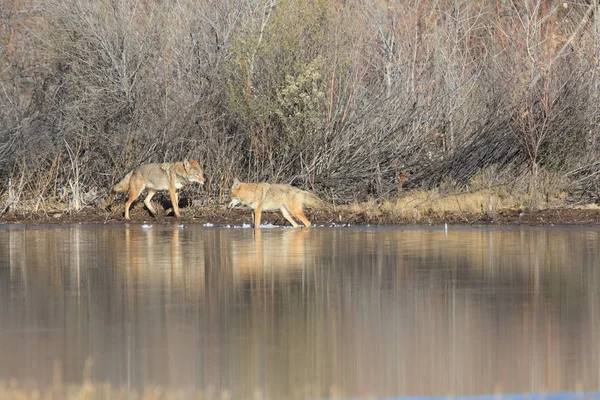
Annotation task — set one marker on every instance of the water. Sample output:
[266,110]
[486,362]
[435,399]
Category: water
[303,312]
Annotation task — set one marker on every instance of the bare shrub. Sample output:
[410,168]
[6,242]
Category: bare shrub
[355,99]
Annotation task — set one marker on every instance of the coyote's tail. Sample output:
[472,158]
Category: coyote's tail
[311,200]
[120,187]
[123,185]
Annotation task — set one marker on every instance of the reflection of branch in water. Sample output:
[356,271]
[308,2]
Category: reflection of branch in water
[158,255]
[367,311]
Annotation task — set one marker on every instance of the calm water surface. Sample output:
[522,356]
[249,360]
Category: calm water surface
[303,312]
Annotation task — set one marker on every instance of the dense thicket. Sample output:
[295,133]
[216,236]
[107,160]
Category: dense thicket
[345,97]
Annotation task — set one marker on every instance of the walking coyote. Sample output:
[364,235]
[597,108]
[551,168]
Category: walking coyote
[155,177]
[269,197]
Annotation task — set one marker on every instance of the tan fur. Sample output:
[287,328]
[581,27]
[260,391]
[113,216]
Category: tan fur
[155,177]
[269,197]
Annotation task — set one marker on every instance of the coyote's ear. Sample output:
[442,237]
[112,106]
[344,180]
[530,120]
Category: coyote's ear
[236,183]
[186,164]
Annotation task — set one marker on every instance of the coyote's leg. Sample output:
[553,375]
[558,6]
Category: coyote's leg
[134,191]
[299,213]
[174,200]
[287,216]
[257,215]
[151,193]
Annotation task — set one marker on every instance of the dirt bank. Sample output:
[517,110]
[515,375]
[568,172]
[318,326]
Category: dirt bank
[222,216]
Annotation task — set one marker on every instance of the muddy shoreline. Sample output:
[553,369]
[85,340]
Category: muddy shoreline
[223,216]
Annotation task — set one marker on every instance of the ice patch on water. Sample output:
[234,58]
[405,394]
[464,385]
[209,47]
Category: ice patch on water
[243,226]
[247,226]
[271,226]
[334,225]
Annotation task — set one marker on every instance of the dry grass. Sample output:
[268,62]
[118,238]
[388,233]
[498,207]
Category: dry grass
[480,198]
[98,391]
[414,206]
[88,390]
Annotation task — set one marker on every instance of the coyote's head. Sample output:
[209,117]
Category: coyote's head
[193,171]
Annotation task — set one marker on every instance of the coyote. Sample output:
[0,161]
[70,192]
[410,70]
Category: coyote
[269,197]
[155,177]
